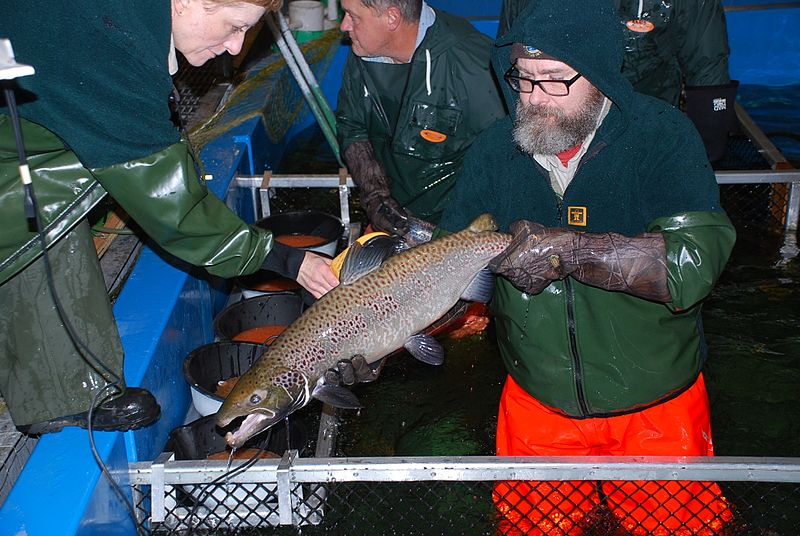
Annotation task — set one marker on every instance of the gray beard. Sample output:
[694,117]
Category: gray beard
[549,131]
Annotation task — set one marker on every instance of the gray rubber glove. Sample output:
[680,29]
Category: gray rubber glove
[384,213]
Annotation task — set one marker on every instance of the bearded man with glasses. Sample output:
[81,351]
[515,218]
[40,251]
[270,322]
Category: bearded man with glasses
[618,236]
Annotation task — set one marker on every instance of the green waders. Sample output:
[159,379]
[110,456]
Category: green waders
[44,375]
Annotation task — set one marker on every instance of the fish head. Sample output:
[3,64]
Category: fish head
[263,399]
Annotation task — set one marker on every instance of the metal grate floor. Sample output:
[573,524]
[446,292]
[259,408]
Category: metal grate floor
[15,449]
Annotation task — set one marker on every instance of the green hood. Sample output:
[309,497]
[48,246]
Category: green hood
[585,34]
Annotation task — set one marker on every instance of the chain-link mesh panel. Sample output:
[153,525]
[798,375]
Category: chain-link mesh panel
[636,507]
[228,508]
[15,449]
[741,153]
[759,207]
[550,508]
[199,89]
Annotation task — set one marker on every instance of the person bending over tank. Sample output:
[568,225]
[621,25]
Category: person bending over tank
[96,119]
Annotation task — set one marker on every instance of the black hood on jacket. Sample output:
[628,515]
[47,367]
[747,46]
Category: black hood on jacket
[585,34]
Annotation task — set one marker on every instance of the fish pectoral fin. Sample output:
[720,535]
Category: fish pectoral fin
[361,260]
[336,396]
[481,287]
[425,348]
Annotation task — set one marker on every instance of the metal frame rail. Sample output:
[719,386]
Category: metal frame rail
[291,472]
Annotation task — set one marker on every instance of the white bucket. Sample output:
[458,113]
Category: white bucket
[307,15]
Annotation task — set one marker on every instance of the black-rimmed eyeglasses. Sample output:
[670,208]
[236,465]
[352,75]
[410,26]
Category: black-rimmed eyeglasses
[554,88]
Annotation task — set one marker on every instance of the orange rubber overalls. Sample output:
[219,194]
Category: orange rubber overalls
[677,427]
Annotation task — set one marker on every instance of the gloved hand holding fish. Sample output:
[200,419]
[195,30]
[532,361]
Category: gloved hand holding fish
[384,302]
[538,255]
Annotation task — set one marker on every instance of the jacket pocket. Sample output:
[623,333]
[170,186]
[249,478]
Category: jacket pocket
[430,132]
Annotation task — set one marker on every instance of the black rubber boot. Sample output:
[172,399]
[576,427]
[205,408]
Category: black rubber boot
[133,409]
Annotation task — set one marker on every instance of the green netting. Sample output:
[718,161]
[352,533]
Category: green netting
[268,91]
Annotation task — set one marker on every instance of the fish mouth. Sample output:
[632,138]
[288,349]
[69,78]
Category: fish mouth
[252,425]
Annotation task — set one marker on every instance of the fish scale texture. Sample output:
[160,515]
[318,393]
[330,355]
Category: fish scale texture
[376,314]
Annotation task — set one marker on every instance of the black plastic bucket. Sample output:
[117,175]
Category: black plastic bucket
[212,363]
[307,222]
[273,309]
[265,282]
[201,438]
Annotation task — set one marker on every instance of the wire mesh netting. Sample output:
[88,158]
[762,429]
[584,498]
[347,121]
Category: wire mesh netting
[759,206]
[266,91]
[587,507]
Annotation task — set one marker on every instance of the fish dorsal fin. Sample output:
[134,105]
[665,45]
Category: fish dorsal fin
[481,287]
[362,259]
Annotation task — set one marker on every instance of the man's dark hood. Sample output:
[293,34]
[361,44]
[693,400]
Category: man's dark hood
[585,34]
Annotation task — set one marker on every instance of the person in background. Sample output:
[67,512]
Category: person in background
[96,120]
[416,90]
[618,236]
[676,51]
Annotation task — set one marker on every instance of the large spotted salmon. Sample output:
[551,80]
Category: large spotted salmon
[381,305]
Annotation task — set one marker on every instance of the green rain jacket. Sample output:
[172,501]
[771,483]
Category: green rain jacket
[581,350]
[449,97]
[678,40]
[96,120]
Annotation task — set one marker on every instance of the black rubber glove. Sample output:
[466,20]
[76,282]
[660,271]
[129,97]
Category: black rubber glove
[384,213]
[711,109]
[418,232]
[538,255]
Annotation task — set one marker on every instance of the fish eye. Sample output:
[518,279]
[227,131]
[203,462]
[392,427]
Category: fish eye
[255,399]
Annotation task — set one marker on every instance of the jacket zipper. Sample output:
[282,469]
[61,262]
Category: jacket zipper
[570,297]
[573,346]
[573,341]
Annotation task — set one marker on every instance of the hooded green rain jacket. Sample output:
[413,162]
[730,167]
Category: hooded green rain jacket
[446,99]
[581,350]
[96,119]
[673,41]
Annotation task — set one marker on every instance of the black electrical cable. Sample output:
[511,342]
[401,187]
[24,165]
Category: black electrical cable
[103,468]
[32,213]
[30,208]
